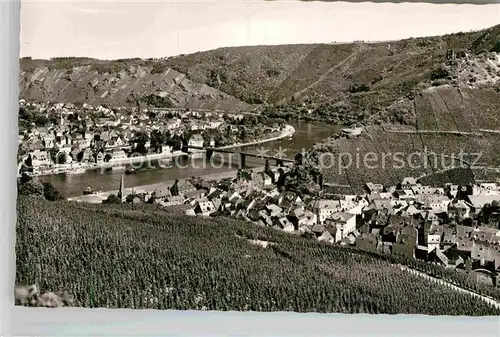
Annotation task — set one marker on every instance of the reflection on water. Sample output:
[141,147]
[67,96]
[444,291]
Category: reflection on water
[306,135]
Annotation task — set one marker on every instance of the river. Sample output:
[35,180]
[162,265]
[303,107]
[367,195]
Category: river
[305,136]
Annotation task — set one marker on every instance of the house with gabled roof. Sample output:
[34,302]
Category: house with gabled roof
[422,190]
[482,236]
[379,218]
[289,197]
[464,232]
[485,189]
[196,194]
[379,205]
[477,202]
[371,188]
[184,186]
[408,183]
[324,208]
[367,242]
[205,208]
[438,256]
[173,200]
[404,195]
[274,210]
[483,257]
[464,247]
[409,236]
[433,241]
[459,209]
[344,222]
[284,224]
[409,210]
[326,237]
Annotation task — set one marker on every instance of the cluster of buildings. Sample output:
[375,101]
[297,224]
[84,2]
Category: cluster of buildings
[454,226]
[89,136]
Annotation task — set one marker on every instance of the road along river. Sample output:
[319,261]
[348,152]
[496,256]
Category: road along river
[305,136]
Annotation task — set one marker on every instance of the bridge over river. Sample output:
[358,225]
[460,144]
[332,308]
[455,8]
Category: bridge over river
[305,136]
[278,159]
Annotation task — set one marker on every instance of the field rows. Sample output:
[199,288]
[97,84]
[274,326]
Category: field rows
[125,256]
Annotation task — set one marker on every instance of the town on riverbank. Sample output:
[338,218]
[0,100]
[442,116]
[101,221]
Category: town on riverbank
[65,138]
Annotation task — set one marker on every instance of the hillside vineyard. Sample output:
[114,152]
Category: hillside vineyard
[414,231]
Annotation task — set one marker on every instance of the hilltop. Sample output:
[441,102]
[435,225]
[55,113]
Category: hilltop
[354,82]
[360,79]
[127,82]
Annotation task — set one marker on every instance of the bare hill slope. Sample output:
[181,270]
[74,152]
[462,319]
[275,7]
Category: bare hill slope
[356,82]
[118,83]
[277,73]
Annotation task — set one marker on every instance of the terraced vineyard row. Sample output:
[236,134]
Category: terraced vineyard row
[457,109]
[397,155]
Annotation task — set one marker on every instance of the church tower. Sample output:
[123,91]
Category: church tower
[121,194]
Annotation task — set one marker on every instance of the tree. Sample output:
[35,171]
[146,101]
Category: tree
[130,198]
[51,193]
[112,199]
[175,189]
[158,139]
[79,156]
[141,148]
[439,73]
[25,178]
[141,138]
[31,187]
[61,158]
[53,152]
[243,133]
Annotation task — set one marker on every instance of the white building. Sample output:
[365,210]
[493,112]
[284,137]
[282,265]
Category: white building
[344,222]
[325,208]
[39,157]
[204,208]
[433,241]
[196,140]
[479,201]
[485,189]
[118,154]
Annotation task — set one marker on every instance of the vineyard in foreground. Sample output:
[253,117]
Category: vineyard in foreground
[126,256]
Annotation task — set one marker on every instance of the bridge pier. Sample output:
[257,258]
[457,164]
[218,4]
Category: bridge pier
[279,162]
[242,160]
[209,154]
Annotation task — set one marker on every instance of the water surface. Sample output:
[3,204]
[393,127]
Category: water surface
[306,135]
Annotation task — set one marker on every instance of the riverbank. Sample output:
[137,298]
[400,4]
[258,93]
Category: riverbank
[287,131]
[99,197]
[74,169]
[305,135]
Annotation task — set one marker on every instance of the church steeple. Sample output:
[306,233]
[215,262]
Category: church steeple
[121,194]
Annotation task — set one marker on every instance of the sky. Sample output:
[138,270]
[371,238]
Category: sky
[123,29]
